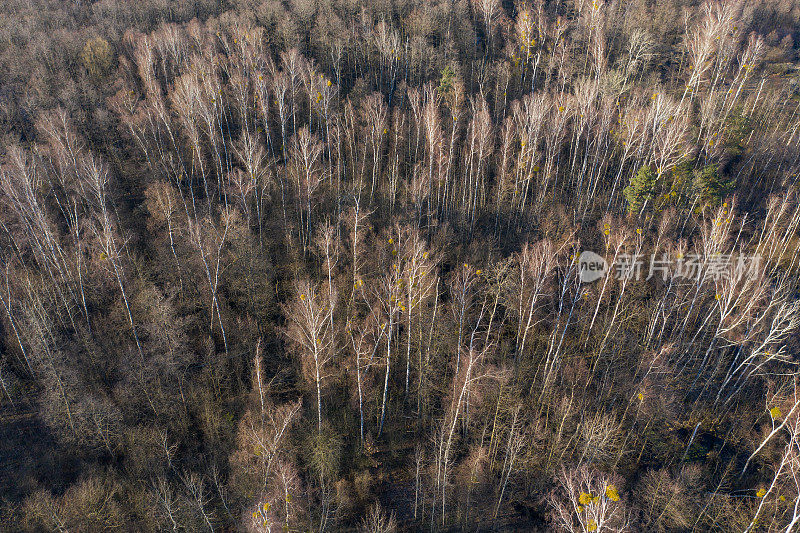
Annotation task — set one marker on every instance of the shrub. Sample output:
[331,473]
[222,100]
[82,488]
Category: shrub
[97,57]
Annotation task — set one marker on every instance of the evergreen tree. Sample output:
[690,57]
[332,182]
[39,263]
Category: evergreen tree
[447,80]
[710,186]
[641,189]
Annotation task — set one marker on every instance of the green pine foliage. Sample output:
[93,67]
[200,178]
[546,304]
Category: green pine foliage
[710,186]
[641,189]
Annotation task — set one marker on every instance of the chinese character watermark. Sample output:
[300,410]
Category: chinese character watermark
[592,266]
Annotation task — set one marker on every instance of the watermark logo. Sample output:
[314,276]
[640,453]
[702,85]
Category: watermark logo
[591,267]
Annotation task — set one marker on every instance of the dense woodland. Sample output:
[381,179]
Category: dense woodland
[311,265]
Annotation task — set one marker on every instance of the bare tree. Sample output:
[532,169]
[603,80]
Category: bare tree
[309,314]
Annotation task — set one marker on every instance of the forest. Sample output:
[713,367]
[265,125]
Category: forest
[321,265]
